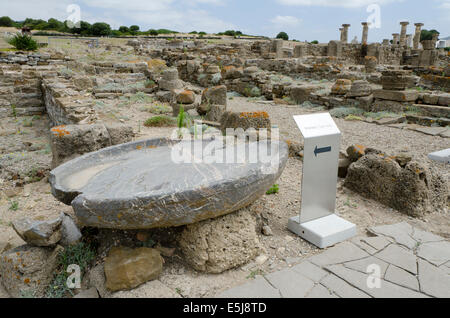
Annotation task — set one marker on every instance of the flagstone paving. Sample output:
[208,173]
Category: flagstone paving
[399,262]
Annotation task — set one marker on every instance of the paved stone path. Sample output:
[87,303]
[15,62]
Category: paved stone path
[410,262]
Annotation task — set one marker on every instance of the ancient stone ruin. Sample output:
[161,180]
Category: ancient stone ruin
[88,136]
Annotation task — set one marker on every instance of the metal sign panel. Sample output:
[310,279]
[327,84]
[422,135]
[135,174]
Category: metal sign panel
[320,165]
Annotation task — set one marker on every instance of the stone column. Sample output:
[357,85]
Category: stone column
[395,37]
[345,33]
[365,34]
[403,33]
[417,35]
[342,34]
[385,42]
[409,40]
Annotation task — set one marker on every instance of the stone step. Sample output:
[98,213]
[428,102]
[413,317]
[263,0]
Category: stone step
[433,110]
[428,121]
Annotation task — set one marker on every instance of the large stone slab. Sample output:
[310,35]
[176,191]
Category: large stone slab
[144,185]
[399,256]
[259,288]
[398,96]
[290,283]
[433,281]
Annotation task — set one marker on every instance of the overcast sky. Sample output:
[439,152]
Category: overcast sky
[301,19]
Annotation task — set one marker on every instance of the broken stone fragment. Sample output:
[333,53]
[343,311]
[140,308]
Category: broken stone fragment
[127,268]
[39,233]
[28,270]
[217,245]
[355,152]
[341,87]
[186,97]
[70,234]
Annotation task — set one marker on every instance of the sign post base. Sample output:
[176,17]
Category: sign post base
[323,232]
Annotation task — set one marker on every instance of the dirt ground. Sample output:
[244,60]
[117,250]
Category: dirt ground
[19,140]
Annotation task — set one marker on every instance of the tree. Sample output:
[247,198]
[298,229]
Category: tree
[101,29]
[134,29]
[6,22]
[427,35]
[153,32]
[85,29]
[230,33]
[124,29]
[283,35]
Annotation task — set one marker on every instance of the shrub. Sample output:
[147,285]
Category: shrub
[427,35]
[6,22]
[23,42]
[80,254]
[343,112]
[283,35]
[315,42]
[160,121]
[274,189]
[153,32]
[160,109]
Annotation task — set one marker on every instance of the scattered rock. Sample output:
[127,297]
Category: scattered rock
[415,189]
[39,233]
[341,87]
[186,97]
[355,152]
[127,268]
[70,234]
[215,95]
[267,231]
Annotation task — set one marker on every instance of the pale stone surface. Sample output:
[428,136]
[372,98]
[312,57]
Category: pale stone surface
[90,293]
[432,131]
[437,253]
[363,264]
[398,96]
[359,280]
[3,293]
[153,289]
[220,244]
[342,252]
[400,257]
[28,269]
[290,283]
[319,291]
[259,288]
[342,288]
[399,232]
[401,277]
[309,270]
[433,281]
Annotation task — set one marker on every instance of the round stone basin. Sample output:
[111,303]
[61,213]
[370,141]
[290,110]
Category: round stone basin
[150,184]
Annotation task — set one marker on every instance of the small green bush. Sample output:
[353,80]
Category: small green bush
[315,42]
[275,189]
[160,121]
[343,112]
[23,42]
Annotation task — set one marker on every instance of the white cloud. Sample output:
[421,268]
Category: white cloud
[335,3]
[285,21]
[180,15]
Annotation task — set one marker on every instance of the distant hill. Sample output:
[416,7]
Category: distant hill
[447,38]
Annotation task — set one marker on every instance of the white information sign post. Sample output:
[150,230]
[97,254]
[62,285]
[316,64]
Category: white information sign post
[317,222]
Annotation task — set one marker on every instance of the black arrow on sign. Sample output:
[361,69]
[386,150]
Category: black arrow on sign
[321,150]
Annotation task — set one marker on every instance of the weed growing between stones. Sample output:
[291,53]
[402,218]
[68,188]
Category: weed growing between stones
[342,112]
[275,189]
[255,273]
[13,205]
[160,109]
[160,121]
[81,254]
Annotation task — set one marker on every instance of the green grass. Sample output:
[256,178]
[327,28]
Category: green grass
[353,118]
[160,121]
[255,273]
[13,205]
[275,189]
[80,254]
[160,109]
